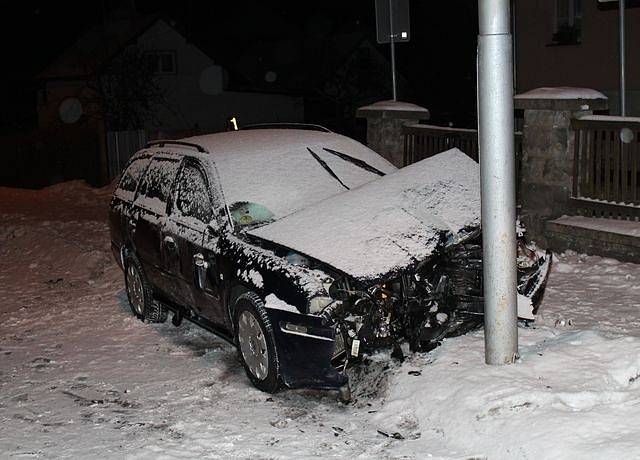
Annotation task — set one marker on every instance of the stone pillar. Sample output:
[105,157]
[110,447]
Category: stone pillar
[385,120]
[548,151]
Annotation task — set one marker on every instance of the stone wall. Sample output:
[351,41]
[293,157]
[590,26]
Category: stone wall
[547,159]
[385,120]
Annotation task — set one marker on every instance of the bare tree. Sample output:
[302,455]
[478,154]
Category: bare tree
[125,92]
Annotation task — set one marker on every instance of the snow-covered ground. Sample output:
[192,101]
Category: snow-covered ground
[81,378]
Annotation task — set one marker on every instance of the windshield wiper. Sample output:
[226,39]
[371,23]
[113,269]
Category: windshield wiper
[362,164]
[326,167]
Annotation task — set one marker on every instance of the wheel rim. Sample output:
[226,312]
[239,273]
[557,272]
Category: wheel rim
[253,345]
[134,290]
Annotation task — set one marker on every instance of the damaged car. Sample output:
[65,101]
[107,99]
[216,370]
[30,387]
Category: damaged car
[306,249]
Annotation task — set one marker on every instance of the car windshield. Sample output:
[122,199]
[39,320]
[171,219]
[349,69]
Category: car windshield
[250,215]
[268,174]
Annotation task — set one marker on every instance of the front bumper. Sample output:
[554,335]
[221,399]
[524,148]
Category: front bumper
[535,284]
[305,348]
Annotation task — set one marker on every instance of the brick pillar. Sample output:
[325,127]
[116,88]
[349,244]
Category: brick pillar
[385,120]
[548,150]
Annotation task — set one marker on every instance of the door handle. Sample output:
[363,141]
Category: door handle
[198,260]
[170,243]
[201,270]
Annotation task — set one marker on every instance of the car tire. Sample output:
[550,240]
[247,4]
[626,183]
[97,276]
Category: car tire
[256,343]
[156,312]
[140,294]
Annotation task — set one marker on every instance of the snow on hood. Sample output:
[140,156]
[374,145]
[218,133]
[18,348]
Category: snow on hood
[390,223]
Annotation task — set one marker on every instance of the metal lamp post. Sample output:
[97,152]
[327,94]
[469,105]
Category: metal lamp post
[623,96]
[497,173]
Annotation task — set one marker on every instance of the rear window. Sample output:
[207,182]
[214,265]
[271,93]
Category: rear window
[130,177]
[192,200]
[156,184]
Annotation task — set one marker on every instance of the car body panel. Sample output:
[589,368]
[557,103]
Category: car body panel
[389,224]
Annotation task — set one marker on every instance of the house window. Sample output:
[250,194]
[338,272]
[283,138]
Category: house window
[567,27]
[162,62]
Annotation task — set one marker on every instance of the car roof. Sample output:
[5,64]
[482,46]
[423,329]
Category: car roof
[277,168]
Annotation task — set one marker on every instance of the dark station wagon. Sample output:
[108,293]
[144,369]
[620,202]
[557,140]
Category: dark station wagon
[305,249]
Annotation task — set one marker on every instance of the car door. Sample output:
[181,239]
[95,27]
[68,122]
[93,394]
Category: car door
[122,202]
[190,223]
[149,214]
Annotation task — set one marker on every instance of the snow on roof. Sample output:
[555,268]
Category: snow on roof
[394,105]
[388,224]
[561,92]
[274,168]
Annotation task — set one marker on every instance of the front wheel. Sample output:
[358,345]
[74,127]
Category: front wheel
[256,343]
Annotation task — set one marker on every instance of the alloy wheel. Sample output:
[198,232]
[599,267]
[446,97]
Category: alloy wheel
[253,345]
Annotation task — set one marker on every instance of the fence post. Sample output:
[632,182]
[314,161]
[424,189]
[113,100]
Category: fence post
[385,120]
[546,179]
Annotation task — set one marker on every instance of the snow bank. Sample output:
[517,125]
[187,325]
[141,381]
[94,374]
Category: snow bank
[571,395]
[561,92]
[82,378]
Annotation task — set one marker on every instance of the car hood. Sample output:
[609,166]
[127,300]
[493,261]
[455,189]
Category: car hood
[389,224]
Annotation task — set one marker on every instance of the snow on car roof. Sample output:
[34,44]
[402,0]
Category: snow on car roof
[274,167]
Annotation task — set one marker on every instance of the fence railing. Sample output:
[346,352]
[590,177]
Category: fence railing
[120,146]
[423,141]
[606,177]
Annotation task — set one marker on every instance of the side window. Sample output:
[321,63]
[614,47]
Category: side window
[192,197]
[156,184]
[130,177]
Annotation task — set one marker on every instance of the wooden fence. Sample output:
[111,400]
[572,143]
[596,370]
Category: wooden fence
[423,141]
[606,177]
[120,146]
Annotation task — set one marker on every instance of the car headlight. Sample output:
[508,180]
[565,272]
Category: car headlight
[319,303]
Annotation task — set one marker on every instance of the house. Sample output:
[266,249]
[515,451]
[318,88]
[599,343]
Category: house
[193,86]
[335,73]
[575,43]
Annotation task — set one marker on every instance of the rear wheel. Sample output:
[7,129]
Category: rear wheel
[140,295]
[256,343]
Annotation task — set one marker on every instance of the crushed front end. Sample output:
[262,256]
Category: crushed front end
[442,297]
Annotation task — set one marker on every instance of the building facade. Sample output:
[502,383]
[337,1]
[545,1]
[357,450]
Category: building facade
[575,43]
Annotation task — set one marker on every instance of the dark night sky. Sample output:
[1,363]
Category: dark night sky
[439,62]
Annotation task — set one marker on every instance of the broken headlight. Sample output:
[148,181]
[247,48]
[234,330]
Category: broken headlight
[319,303]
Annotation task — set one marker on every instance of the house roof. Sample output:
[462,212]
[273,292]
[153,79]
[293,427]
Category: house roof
[97,46]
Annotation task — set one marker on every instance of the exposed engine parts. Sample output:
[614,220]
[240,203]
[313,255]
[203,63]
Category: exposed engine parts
[440,299]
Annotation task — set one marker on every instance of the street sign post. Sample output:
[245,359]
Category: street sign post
[392,26]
